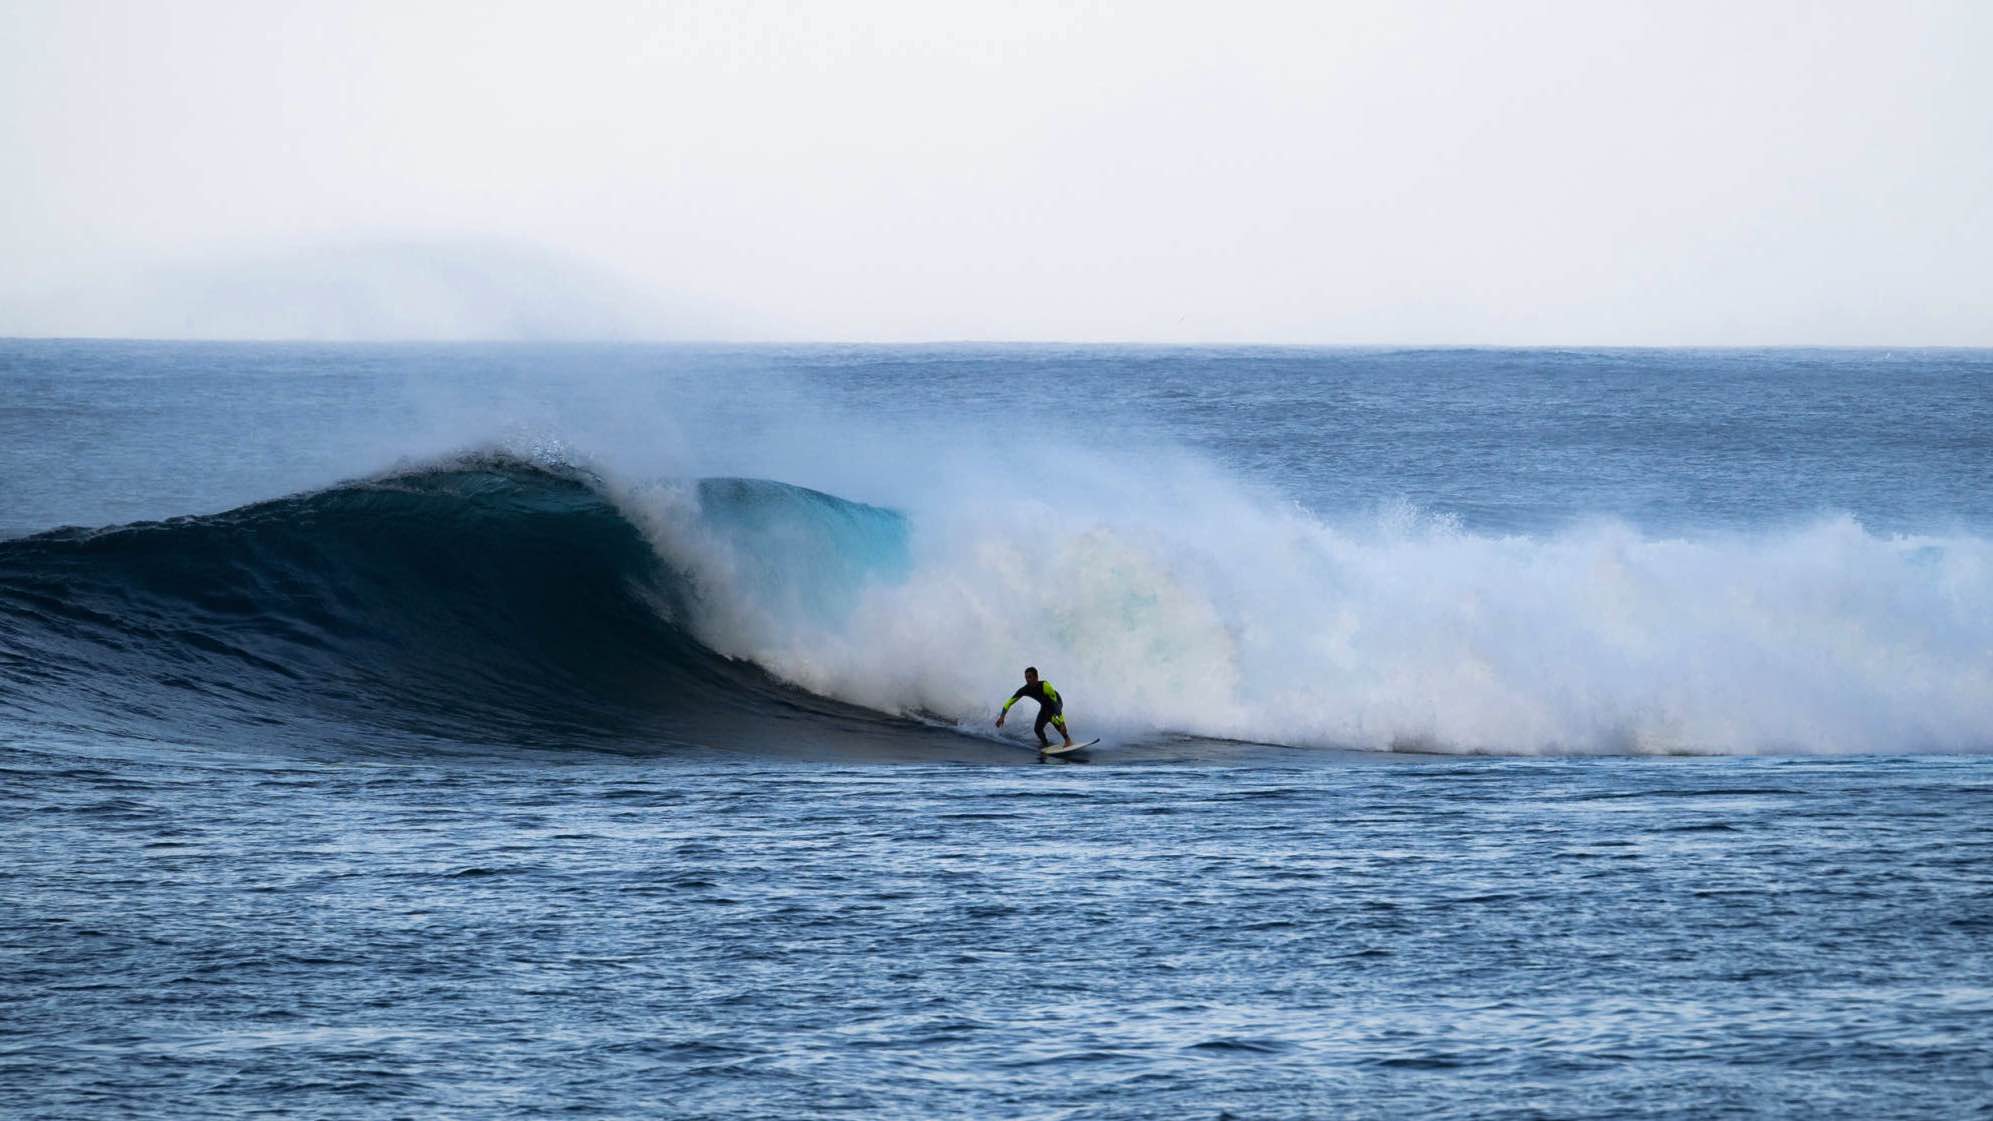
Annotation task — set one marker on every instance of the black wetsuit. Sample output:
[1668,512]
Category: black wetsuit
[1051,710]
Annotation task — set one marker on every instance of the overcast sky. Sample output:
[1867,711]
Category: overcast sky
[1575,173]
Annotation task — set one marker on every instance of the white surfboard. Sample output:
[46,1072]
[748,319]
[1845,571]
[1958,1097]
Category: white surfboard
[1062,749]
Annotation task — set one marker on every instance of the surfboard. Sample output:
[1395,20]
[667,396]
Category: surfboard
[1061,749]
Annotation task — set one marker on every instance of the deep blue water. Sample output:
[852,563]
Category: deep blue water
[423,731]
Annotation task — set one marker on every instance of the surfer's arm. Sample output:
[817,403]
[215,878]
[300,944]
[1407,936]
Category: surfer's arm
[1005,711]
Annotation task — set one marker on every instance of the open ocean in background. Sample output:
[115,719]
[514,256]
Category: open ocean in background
[412,731]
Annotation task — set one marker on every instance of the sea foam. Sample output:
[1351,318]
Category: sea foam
[1173,599]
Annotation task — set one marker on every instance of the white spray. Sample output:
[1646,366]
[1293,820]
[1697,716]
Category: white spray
[1161,595]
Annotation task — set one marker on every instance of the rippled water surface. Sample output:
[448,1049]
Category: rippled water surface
[1419,938]
[506,732]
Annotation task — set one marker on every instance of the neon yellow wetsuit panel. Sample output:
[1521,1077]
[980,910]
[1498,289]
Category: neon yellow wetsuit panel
[1051,710]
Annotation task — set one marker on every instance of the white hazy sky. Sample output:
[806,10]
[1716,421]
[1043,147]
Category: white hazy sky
[1516,172]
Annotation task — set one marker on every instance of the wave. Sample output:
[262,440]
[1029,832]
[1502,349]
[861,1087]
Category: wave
[478,603]
[496,601]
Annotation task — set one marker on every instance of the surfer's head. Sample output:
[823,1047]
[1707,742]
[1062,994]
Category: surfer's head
[1030,674]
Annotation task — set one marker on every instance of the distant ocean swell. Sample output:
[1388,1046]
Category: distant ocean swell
[494,602]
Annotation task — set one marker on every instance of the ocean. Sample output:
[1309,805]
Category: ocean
[508,731]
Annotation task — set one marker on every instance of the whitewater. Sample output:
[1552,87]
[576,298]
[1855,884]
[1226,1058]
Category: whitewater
[1196,608]
[454,730]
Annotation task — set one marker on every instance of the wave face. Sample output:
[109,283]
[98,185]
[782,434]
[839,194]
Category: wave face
[494,602]
[478,603]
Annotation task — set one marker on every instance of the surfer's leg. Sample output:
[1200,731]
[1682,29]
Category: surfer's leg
[1044,717]
[1059,722]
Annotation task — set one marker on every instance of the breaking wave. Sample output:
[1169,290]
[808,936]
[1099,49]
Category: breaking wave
[495,601]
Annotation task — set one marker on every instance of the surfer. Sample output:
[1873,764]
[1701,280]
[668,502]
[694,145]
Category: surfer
[1051,710]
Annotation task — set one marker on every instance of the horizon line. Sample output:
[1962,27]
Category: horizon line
[972,342]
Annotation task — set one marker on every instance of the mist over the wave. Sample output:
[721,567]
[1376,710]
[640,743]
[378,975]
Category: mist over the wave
[1178,595]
